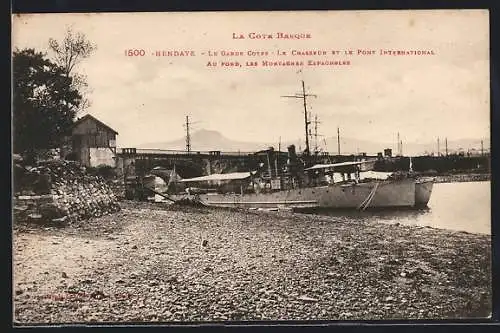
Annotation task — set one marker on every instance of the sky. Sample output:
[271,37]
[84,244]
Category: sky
[146,99]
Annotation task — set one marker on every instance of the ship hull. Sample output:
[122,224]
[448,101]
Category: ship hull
[384,194]
[423,191]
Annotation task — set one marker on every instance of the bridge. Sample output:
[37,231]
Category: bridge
[190,164]
[135,161]
[138,161]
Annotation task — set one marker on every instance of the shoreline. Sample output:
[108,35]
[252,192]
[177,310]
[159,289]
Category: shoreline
[150,262]
[461,178]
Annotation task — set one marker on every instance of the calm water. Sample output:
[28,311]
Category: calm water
[455,206]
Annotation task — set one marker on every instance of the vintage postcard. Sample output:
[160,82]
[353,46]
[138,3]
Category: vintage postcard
[249,166]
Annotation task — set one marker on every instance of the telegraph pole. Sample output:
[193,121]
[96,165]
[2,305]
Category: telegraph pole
[338,141]
[188,134]
[188,137]
[399,147]
[304,96]
[482,148]
[446,145]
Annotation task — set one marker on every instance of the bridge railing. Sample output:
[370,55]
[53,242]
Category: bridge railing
[153,151]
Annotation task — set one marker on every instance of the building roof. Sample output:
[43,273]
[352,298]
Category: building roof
[89,116]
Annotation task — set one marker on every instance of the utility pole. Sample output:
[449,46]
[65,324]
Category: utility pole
[188,136]
[399,147]
[276,163]
[482,148]
[438,148]
[187,125]
[304,96]
[446,145]
[269,169]
[338,141]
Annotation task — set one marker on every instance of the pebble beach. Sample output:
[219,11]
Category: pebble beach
[167,263]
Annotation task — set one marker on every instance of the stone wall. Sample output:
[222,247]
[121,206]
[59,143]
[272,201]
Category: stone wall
[62,192]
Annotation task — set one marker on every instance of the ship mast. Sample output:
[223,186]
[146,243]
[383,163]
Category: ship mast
[316,145]
[304,96]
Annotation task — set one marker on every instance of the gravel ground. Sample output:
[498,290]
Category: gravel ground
[153,263]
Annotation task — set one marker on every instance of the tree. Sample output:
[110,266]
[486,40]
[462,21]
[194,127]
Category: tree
[44,102]
[68,54]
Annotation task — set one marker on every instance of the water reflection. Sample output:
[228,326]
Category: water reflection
[453,206]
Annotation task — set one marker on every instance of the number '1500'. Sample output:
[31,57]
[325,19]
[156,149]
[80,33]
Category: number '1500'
[134,53]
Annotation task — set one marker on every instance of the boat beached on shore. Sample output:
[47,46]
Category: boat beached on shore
[303,183]
[359,190]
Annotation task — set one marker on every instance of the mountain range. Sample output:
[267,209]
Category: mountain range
[207,140]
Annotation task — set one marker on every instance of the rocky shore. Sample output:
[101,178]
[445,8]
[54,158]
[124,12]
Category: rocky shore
[168,263]
[459,178]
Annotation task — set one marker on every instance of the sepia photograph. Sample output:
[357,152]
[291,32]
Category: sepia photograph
[239,167]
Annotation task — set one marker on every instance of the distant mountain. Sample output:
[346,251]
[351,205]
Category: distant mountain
[206,140]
